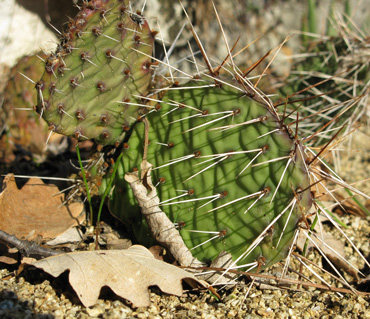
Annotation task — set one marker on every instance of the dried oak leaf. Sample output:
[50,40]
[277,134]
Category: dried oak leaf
[128,273]
[35,209]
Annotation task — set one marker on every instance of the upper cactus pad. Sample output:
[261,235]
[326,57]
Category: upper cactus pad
[92,84]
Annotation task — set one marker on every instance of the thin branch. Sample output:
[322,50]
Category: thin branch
[28,248]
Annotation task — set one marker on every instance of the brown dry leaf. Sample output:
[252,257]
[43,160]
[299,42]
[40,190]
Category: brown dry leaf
[34,208]
[128,273]
[8,260]
[348,206]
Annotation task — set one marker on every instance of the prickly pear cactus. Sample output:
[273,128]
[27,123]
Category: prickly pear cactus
[228,172]
[92,84]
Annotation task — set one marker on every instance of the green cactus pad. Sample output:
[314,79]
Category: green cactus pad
[20,91]
[19,96]
[228,172]
[92,84]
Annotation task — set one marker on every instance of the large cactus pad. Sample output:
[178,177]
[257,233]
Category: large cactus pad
[228,172]
[92,84]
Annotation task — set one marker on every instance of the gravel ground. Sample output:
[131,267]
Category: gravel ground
[20,299]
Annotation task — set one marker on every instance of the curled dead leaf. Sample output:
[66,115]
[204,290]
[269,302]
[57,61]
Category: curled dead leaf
[128,273]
